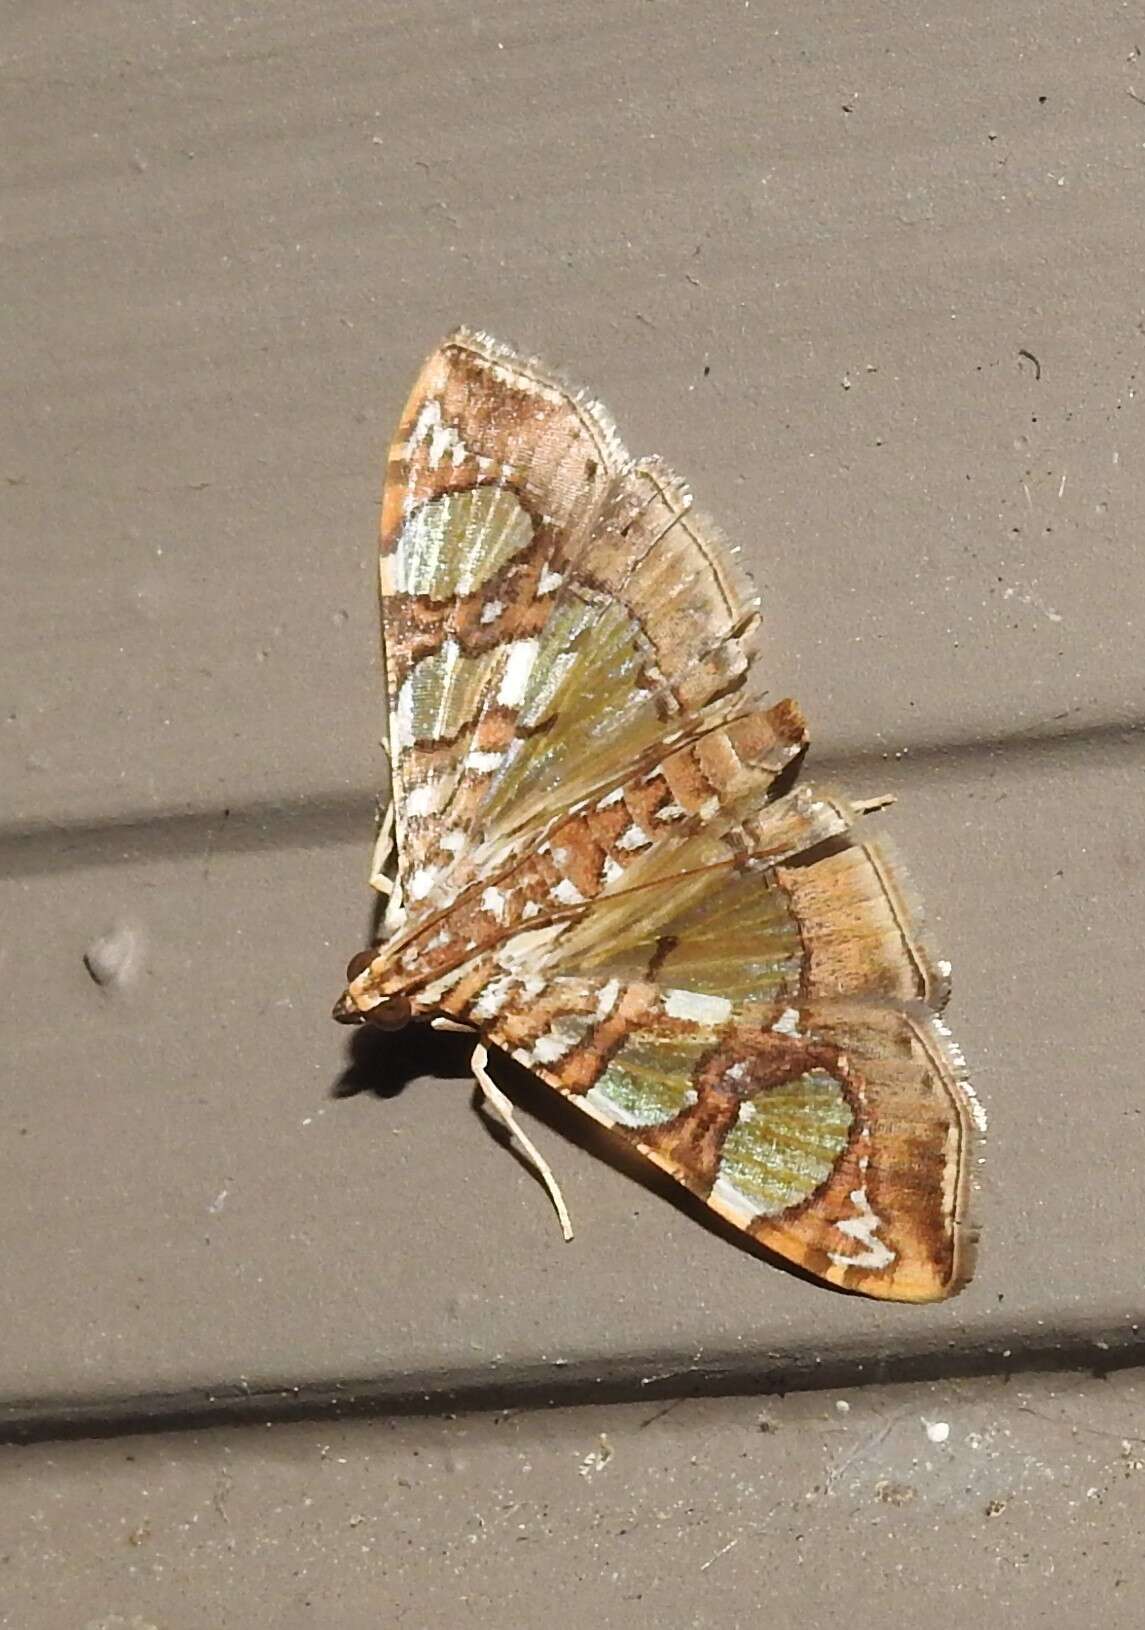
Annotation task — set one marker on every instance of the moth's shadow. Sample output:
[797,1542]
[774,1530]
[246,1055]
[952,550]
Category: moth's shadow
[384,1062]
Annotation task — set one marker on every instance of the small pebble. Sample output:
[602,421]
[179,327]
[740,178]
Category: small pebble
[113,959]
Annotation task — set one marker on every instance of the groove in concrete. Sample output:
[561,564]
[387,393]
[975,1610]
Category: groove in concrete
[1089,1349]
[323,820]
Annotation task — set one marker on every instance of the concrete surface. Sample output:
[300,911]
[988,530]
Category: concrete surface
[1019,1504]
[871,279]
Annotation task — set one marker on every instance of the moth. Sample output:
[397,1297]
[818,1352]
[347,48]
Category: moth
[600,857]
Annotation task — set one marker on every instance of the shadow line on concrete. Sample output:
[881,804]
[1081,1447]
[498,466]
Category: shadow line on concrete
[326,820]
[625,1380]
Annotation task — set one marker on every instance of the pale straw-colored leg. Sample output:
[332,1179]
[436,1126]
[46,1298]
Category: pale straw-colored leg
[395,912]
[503,1109]
[383,849]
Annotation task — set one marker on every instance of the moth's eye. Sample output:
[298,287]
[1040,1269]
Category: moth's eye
[358,964]
[392,1014]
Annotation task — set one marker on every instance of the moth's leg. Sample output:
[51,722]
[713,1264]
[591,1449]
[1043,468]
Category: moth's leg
[503,1109]
[383,851]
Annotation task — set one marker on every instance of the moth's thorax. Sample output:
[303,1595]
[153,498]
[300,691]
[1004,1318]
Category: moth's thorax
[450,948]
[426,962]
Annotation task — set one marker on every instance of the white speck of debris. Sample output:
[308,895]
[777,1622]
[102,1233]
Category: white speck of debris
[596,1459]
[842,1406]
[113,959]
[1027,596]
[937,1431]
[723,1551]
[218,1202]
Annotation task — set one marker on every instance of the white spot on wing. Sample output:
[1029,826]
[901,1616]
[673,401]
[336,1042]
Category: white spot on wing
[567,893]
[422,882]
[491,610]
[549,1048]
[693,1005]
[518,667]
[606,1000]
[403,717]
[442,438]
[482,763]
[671,812]
[549,581]
[493,903]
[424,800]
[788,1022]
[612,871]
[565,1033]
[864,1228]
[633,837]
[611,798]
[492,998]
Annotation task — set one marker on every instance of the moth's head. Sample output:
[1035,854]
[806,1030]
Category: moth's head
[362,1002]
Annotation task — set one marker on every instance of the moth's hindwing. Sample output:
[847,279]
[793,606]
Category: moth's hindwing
[833,1134]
